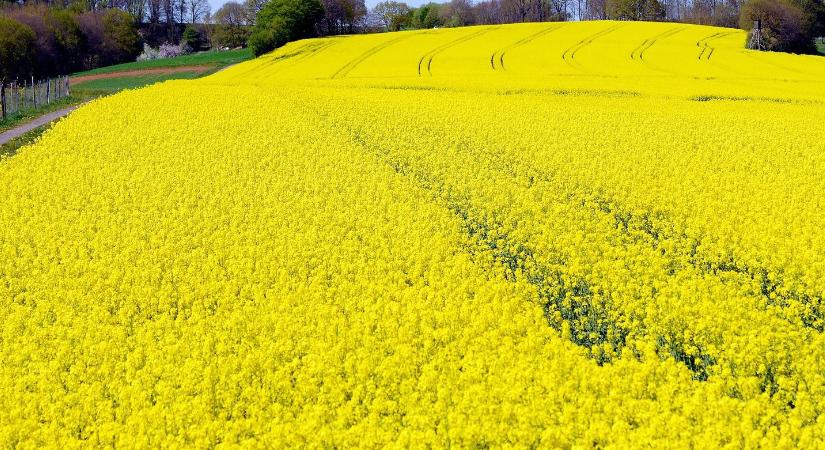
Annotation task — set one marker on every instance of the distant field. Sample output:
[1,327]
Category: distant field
[213,58]
[585,235]
[105,80]
[110,85]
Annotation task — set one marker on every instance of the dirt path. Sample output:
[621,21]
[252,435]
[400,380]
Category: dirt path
[135,73]
[6,136]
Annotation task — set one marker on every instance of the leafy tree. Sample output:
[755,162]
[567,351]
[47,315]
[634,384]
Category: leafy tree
[70,40]
[427,16]
[635,10]
[253,7]
[282,21]
[813,17]
[17,43]
[783,24]
[111,36]
[393,15]
[192,38]
[233,30]
[122,38]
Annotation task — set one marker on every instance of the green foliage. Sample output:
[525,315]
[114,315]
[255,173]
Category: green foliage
[427,16]
[393,15]
[192,38]
[16,49]
[232,26]
[282,21]
[813,17]
[783,25]
[25,115]
[41,41]
[121,31]
[70,40]
[11,147]
[230,36]
[649,10]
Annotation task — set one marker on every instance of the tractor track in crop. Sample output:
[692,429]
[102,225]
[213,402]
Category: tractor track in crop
[568,300]
[639,51]
[707,50]
[526,40]
[348,67]
[426,60]
[569,55]
[302,53]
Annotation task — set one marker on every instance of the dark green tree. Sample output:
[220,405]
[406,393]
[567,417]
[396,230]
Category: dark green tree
[783,22]
[121,37]
[192,38]
[282,21]
[17,43]
[427,16]
[70,41]
[650,10]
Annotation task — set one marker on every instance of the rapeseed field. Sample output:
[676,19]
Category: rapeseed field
[555,235]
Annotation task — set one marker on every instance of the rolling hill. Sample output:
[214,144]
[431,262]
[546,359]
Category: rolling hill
[556,235]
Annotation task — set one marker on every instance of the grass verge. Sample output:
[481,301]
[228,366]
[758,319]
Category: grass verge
[213,58]
[10,148]
[106,86]
[26,115]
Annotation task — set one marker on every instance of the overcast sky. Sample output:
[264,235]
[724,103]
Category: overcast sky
[370,3]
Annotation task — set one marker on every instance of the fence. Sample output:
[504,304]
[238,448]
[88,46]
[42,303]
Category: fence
[16,97]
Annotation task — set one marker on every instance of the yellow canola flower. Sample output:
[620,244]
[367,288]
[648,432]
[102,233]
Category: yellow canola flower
[594,234]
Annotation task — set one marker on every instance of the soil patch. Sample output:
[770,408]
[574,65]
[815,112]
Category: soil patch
[136,73]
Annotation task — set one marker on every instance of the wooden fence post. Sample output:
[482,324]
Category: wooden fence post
[3,98]
[48,90]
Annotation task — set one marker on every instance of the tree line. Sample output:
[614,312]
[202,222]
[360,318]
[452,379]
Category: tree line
[41,39]
[51,37]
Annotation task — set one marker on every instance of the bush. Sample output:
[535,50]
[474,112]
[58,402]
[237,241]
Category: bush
[148,54]
[173,51]
[282,21]
[164,51]
[17,43]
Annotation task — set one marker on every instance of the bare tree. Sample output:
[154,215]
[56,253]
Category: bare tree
[342,16]
[181,9]
[458,13]
[155,10]
[488,12]
[198,10]
[253,7]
